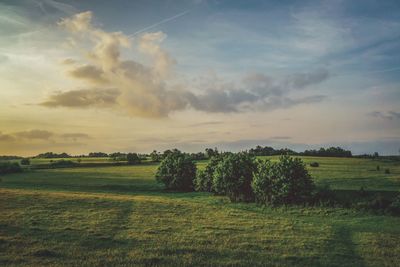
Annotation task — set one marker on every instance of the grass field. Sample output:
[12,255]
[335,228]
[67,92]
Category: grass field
[119,215]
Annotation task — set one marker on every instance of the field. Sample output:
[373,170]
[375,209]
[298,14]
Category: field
[119,215]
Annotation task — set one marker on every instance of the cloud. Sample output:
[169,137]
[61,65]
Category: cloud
[89,73]
[6,137]
[148,91]
[75,136]
[389,115]
[41,135]
[35,134]
[83,98]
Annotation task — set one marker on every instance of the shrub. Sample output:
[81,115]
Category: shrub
[263,182]
[177,171]
[204,178]
[62,163]
[378,168]
[233,176]
[25,161]
[9,167]
[132,158]
[314,164]
[324,196]
[387,171]
[292,183]
[394,207]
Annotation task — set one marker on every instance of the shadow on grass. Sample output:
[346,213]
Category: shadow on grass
[340,250]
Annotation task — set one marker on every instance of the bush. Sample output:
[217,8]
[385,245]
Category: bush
[263,182]
[314,164]
[204,178]
[25,161]
[177,171]
[62,163]
[233,176]
[132,158]
[394,207]
[284,182]
[387,171]
[378,168]
[9,167]
[324,196]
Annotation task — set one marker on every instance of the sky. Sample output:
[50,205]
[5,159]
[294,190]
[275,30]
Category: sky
[133,76]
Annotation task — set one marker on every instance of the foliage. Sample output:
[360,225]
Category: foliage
[98,155]
[233,175]
[25,161]
[314,164]
[387,171]
[323,196]
[51,155]
[177,171]
[133,158]
[211,152]
[9,167]
[155,156]
[204,178]
[328,152]
[284,182]
[63,163]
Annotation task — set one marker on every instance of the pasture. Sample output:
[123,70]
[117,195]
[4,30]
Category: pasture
[119,215]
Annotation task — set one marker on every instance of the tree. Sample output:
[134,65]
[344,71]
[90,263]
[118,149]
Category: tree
[233,175]
[155,156]
[283,182]
[177,171]
[211,152]
[133,158]
[25,161]
[204,178]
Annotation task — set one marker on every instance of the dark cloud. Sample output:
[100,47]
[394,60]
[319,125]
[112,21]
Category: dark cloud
[389,115]
[89,73]
[83,98]
[75,136]
[35,134]
[206,123]
[42,135]
[6,137]
[280,138]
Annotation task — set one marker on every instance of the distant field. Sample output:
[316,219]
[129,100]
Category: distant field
[119,215]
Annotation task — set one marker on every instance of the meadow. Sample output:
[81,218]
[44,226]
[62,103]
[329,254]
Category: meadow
[119,215]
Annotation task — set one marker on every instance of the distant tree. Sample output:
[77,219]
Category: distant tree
[155,156]
[177,171]
[233,175]
[51,155]
[211,152]
[25,161]
[133,158]
[9,167]
[98,155]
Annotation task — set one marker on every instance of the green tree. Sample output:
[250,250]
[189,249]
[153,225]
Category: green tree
[177,171]
[283,182]
[233,175]
[133,158]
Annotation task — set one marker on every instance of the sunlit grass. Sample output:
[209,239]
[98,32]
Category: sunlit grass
[119,216]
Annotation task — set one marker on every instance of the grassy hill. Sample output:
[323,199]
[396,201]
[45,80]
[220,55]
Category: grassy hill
[119,215]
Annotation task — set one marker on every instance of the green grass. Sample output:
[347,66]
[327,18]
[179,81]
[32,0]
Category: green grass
[119,216]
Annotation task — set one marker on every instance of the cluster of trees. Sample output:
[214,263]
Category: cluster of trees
[51,155]
[322,152]
[240,176]
[9,167]
[328,152]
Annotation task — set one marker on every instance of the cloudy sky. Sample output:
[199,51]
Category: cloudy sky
[82,76]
